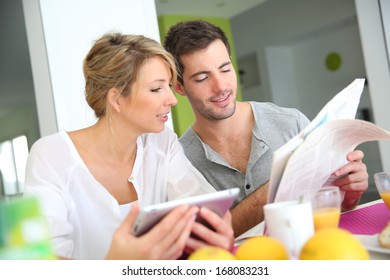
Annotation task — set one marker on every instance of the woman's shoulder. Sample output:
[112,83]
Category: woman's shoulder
[51,145]
[50,141]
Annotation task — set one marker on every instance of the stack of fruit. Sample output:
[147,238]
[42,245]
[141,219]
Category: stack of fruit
[326,244]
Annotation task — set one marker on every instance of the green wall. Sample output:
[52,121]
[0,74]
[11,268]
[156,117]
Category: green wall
[182,113]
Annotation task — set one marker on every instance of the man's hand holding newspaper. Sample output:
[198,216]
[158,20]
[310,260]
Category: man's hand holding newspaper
[308,160]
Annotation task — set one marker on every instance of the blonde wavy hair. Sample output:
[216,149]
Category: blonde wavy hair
[114,61]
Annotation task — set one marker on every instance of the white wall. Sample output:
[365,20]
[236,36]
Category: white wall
[279,22]
[60,33]
[280,62]
[315,84]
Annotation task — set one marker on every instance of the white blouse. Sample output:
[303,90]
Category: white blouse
[82,215]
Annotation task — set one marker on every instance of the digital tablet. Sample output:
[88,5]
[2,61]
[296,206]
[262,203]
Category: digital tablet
[219,202]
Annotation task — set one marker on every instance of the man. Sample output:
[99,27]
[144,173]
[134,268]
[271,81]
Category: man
[232,143]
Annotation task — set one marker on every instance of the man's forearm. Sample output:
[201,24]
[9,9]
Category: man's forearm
[249,212]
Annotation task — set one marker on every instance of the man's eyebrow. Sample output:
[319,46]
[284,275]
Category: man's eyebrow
[199,73]
[224,64]
[206,72]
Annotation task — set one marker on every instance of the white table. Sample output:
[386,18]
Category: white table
[369,241]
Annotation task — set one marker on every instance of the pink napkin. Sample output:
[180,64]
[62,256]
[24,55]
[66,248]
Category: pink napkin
[368,220]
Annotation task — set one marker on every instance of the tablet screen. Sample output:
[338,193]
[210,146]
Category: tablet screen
[218,202]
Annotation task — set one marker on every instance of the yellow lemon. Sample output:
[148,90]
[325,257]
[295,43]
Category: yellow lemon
[262,248]
[333,244]
[211,253]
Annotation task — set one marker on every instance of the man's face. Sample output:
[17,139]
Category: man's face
[210,82]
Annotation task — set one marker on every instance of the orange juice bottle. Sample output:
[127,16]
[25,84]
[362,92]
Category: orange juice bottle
[326,217]
[386,198]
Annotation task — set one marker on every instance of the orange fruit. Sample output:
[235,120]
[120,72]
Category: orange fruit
[262,248]
[211,253]
[333,244]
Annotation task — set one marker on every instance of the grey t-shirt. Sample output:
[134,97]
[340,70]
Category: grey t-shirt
[273,127]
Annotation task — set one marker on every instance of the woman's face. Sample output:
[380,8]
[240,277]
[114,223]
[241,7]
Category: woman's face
[147,106]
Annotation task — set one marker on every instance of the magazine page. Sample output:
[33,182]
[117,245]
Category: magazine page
[342,106]
[323,152]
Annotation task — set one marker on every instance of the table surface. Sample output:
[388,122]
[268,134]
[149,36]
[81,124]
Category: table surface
[368,219]
[365,222]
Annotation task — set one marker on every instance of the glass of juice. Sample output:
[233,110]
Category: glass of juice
[382,183]
[326,205]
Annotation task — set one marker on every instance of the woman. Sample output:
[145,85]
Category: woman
[89,179]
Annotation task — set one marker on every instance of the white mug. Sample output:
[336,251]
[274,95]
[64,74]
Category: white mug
[291,222]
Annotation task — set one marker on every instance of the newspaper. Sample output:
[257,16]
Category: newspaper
[308,160]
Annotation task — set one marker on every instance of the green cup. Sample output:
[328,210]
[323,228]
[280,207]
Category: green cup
[23,230]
